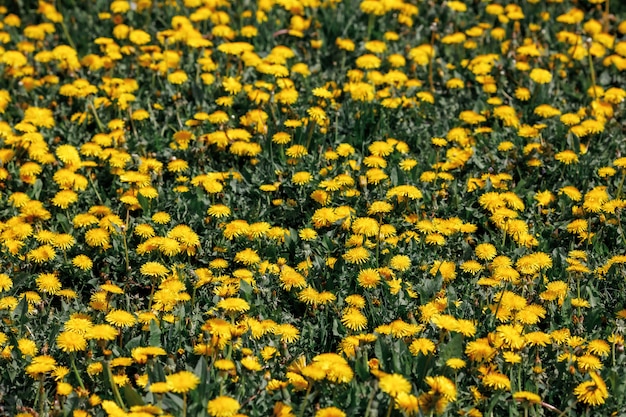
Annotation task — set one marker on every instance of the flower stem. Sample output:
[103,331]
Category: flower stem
[67,34]
[391,403]
[116,392]
[95,115]
[75,370]
[41,395]
[621,184]
[306,399]
[593,74]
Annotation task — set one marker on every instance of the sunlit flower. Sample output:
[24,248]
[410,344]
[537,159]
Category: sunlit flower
[181,382]
[592,392]
[353,319]
[48,283]
[121,318]
[394,384]
[540,76]
[71,342]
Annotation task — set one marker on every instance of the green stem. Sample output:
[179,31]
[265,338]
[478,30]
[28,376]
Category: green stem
[310,129]
[94,188]
[41,395]
[306,398]
[151,296]
[371,399]
[184,404]
[621,184]
[116,392]
[75,370]
[95,115]
[593,74]
[67,35]
[126,251]
[391,403]
[370,25]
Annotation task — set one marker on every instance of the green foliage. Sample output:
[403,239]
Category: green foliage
[307,208]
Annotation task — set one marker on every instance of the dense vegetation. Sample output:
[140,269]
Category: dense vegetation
[312,208]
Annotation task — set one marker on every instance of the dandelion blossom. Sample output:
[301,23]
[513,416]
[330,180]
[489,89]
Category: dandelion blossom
[223,406]
[540,76]
[353,319]
[592,392]
[71,342]
[181,382]
[121,318]
[394,384]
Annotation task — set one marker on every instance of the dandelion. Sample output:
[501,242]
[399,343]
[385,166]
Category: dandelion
[218,211]
[234,305]
[540,76]
[288,333]
[48,283]
[394,384]
[592,392]
[365,226]
[497,381]
[567,157]
[182,382]
[153,269]
[353,319]
[330,412]
[422,346]
[161,217]
[296,151]
[455,363]
[368,278]
[97,237]
[40,365]
[27,347]
[307,234]
[121,318]
[529,397]
[485,251]
[358,255]
[400,263]
[71,342]
[247,257]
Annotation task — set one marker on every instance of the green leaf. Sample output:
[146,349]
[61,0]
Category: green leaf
[144,203]
[132,396]
[452,349]
[37,187]
[246,289]
[155,334]
[21,313]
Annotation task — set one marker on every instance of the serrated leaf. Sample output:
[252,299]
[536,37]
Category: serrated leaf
[144,203]
[155,334]
[132,396]
[452,349]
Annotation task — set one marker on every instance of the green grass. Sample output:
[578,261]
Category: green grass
[306,208]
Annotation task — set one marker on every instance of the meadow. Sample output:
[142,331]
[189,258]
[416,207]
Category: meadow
[312,208]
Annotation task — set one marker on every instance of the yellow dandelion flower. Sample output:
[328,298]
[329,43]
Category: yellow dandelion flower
[121,318]
[497,381]
[234,305]
[71,342]
[394,384]
[358,255]
[353,319]
[48,283]
[182,382]
[592,392]
[540,76]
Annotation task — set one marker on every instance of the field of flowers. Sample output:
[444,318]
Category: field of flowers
[316,208]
